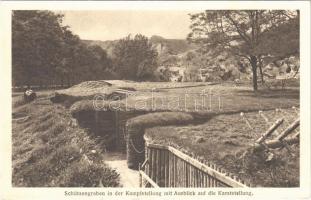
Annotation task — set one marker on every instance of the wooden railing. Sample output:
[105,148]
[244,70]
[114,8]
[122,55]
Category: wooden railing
[166,166]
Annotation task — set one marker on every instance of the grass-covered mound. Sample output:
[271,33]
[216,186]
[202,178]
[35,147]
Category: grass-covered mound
[226,140]
[49,149]
[90,88]
[218,99]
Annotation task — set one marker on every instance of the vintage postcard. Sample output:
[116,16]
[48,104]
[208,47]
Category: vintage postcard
[155,100]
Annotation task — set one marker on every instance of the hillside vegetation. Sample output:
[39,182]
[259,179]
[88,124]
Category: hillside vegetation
[50,150]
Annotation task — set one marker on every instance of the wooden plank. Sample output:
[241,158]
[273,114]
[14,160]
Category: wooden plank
[183,173]
[162,164]
[180,174]
[147,170]
[170,169]
[187,174]
[146,177]
[167,168]
[177,177]
[151,168]
[157,166]
[209,181]
[192,176]
[174,171]
[202,179]
[154,164]
[206,181]
[199,178]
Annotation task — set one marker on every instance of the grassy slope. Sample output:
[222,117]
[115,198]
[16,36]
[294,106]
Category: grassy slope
[50,150]
[223,139]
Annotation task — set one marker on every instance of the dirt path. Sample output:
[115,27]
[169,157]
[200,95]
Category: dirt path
[117,161]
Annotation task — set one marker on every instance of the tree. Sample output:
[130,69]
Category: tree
[46,52]
[135,59]
[36,40]
[240,32]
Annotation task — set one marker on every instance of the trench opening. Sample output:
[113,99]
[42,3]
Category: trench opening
[109,127]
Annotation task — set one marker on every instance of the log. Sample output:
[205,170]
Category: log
[289,129]
[277,143]
[270,131]
[273,144]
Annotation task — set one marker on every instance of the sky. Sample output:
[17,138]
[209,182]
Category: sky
[111,25]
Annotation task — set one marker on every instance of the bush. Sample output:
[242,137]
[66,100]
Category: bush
[82,174]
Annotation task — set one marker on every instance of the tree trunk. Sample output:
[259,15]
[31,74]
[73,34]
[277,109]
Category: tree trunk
[260,70]
[254,70]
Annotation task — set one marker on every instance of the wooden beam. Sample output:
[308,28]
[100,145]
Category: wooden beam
[273,144]
[146,177]
[144,163]
[277,143]
[270,131]
[289,129]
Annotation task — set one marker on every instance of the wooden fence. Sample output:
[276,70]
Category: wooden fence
[166,166]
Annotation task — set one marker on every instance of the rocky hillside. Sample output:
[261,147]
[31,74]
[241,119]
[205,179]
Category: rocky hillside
[164,46]
[171,46]
[179,53]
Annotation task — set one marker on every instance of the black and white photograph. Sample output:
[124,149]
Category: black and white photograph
[156,98]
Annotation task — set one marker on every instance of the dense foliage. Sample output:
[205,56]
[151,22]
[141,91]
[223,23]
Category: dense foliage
[44,52]
[248,34]
[135,58]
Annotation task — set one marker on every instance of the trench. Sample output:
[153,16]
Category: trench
[117,161]
[109,126]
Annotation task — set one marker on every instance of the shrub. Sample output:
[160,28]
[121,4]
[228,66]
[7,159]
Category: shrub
[82,174]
